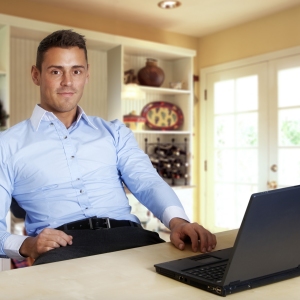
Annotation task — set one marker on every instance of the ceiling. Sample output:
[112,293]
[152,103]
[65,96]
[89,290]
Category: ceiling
[194,17]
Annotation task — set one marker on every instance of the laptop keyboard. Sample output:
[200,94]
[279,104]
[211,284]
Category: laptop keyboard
[212,273]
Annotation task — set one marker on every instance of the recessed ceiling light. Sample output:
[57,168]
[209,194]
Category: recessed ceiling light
[168,4]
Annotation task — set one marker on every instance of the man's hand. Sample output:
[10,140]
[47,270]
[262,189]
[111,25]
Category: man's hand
[200,238]
[47,240]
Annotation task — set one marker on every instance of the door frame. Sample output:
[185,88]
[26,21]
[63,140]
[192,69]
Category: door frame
[204,72]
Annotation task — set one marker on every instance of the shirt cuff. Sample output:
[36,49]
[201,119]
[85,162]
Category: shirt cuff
[173,212]
[12,246]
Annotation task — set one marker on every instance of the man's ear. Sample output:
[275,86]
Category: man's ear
[35,75]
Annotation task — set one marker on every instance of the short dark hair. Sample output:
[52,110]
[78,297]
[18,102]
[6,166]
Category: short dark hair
[62,39]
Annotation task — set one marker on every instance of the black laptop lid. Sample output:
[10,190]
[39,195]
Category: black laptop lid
[269,237]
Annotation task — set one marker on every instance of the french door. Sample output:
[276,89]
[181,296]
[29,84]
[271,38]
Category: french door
[252,136]
[285,121]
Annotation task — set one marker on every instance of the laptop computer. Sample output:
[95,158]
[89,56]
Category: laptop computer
[266,249]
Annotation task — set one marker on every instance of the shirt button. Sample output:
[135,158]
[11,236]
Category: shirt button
[51,124]
[72,156]
[78,179]
[81,191]
[66,137]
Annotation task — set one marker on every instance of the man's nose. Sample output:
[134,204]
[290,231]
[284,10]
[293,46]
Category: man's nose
[66,79]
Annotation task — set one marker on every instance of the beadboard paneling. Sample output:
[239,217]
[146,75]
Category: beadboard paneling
[94,100]
[24,94]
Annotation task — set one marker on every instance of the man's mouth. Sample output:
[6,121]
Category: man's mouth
[66,93]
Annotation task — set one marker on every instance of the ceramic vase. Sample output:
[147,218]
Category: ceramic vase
[151,74]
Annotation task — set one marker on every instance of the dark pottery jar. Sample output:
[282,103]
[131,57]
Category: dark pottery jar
[151,74]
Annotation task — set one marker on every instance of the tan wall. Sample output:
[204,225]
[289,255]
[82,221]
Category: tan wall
[268,34]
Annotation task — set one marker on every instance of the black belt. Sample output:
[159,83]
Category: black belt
[97,223]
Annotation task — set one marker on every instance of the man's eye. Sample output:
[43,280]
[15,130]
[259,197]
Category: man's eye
[77,72]
[55,72]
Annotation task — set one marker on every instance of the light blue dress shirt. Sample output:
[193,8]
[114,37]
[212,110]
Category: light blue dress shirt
[59,175]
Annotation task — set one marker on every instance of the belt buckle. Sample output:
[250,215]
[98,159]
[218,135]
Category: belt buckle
[91,222]
[107,223]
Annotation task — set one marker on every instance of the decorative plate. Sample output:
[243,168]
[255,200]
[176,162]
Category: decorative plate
[162,115]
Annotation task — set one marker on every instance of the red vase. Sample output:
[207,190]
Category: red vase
[151,74]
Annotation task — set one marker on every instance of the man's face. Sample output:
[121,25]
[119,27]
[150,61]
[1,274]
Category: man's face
[62,79]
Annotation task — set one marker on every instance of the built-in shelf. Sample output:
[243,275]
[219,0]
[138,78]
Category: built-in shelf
[164,91]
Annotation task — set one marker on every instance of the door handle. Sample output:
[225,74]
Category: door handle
[274,168]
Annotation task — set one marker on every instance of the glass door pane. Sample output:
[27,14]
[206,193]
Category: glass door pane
[285,117]
[234,144]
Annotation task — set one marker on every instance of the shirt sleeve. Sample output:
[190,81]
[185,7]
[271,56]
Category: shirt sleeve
[142,179]
[6,183]
[173,212]
[12,246]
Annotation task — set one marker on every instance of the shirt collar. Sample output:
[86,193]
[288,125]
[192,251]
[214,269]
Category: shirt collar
[40,114]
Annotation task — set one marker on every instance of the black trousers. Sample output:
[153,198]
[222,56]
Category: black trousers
[91,242]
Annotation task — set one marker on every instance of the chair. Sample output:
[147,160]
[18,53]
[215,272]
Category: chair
[17,210]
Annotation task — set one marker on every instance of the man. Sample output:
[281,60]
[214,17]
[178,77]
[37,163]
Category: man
[67,170]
